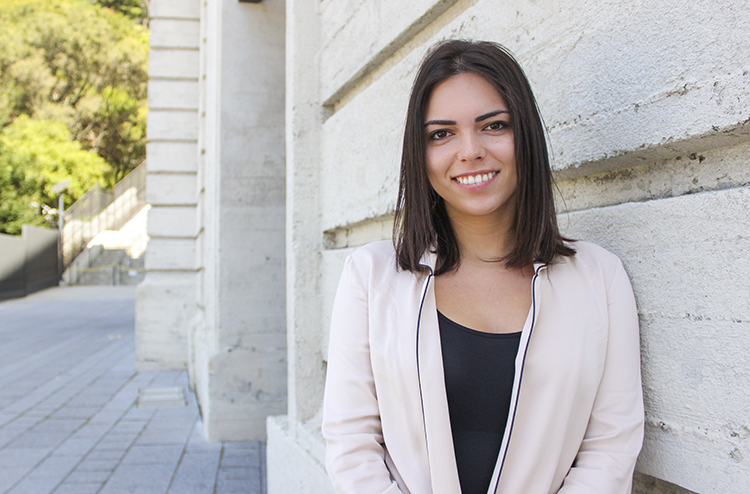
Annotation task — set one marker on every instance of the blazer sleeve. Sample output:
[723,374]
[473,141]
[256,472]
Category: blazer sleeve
[355,455]
[607,455]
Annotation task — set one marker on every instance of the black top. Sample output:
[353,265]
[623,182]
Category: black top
[479,369]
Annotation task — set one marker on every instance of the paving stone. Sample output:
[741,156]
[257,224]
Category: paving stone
[22,458]
[58,425]
[162,436]
[118,441]
[196,474]
[9,476]
[39,440]
[240,461]
[7,436]
[104,417]
[92,431]
[129,426]
[92,488]
[99,454]
[65,385]
[139,413]
[75,447]
[71,412]
[234,473]
[35,486]
[90,465]
[87,476]
[157,476]
[22,423]
[168,454]
[237,486]
[55,467]
[234,445]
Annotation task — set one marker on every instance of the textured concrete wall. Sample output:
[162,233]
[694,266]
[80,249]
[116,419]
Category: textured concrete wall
[166,299]
[647,109]
[238,341]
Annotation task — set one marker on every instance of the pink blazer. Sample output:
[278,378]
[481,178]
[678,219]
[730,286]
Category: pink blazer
[576,416]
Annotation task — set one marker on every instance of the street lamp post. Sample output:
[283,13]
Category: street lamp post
[60,188]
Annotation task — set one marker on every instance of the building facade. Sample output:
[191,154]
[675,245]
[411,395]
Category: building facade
[647,106]
[213,299]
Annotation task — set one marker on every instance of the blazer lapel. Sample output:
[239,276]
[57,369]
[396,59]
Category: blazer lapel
[438,435]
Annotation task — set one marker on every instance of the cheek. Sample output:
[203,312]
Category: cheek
[435,163]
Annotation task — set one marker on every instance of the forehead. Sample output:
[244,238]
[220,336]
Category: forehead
[466,93]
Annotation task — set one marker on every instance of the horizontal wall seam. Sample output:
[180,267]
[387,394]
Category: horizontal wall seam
[660,197]
[174,18]
[170,172]
[174,270]
[182,110]
[172,140]
[616,160]
[174,48]
[172,237]
[168,108]
[168,78]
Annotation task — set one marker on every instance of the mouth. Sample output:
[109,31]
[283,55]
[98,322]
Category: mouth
[475,179]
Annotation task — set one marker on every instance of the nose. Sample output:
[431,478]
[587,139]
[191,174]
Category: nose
[472,147]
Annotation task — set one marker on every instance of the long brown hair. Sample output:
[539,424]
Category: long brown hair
[422,221]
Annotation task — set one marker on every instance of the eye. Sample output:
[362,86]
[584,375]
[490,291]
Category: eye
[497,125]
[439,134]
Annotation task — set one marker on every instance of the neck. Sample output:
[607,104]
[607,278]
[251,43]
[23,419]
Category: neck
[483,239]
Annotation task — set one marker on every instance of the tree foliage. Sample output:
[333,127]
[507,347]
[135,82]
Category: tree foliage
[135,9]
[34,156]
[82,64]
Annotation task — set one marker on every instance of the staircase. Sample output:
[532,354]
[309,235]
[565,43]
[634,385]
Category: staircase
[113,267]
[113,257]
[104,234]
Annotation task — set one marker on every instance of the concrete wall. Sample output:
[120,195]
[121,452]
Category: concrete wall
[166,299]
[213,299]
[647,109]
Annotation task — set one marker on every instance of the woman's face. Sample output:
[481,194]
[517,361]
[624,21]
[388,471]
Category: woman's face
[470,149]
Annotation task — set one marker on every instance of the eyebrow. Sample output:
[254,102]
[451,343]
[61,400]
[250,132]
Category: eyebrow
[478,119]
[490,115]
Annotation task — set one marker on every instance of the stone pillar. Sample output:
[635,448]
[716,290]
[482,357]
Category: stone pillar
[237,343]
[166,299]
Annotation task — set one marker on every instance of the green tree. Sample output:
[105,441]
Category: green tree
[82,64]
[135,9]
[34,156]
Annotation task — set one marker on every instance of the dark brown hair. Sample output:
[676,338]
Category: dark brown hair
[422,222]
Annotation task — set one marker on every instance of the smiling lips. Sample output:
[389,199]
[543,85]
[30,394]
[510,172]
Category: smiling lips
[475,179]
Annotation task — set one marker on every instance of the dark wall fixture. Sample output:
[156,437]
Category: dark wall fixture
[250,1]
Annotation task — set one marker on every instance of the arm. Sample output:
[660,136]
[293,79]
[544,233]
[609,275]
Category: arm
[613,439]
[355,457]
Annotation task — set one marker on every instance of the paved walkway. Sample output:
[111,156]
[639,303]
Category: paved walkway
[69,420]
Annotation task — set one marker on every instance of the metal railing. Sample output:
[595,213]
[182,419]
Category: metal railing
[101,209]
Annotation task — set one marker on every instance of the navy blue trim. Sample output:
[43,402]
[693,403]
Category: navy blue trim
[520,376]
[419,372]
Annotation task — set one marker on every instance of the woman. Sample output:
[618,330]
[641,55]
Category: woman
[481,351]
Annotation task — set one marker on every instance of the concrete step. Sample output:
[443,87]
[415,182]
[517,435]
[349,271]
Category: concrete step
[113,267]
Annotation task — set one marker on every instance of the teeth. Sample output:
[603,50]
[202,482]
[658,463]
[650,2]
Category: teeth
[476,179]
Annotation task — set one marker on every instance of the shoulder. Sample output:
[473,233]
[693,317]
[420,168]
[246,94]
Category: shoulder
[586,252]
[382,250]
[375,264]
[379,255]
[375,257]
[591,260]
